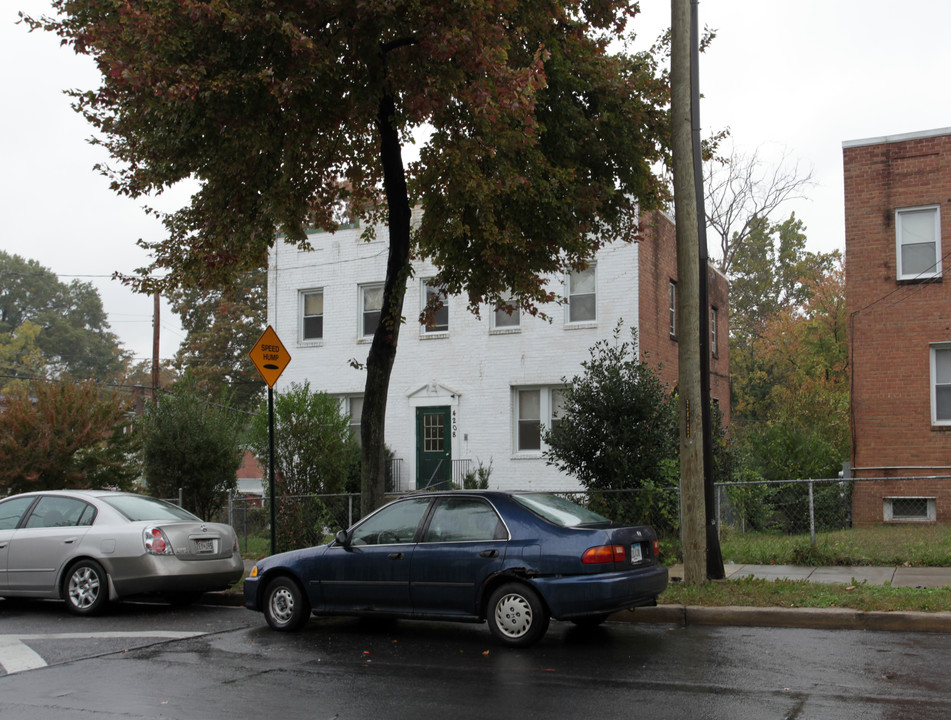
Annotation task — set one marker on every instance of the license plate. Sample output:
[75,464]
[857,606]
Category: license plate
[205,546]
[636,554]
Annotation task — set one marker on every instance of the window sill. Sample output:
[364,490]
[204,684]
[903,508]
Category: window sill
[310,343]
[586,325]
[920,279]
[433,335]
[505,331]
[527,455]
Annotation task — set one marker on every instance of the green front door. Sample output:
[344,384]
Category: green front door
[433,447]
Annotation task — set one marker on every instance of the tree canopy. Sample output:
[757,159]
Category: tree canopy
[192,446]
[221,326]
[64,434]
[542,138]
[52,328]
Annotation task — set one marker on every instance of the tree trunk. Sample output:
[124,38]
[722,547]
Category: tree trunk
[688,307]
[383,349]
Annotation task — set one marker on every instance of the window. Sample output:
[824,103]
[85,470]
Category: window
[438,322]
[909,509]
[672,302]
[502,319]
[464,519]
[535,408]
[354,409]
[12,510]
[60,512]
[312,315]
[582,296]
[941,384]
[557,409]
[394,524]
[371,307]
[918,236]
[714,335]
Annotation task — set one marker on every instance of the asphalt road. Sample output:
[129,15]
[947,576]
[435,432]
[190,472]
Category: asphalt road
[232,666]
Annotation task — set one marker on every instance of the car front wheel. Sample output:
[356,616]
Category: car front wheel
[516,615]
[85,588]
[285,607]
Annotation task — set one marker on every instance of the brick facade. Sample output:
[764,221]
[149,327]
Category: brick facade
[474,370]
[896,321]
[657,268]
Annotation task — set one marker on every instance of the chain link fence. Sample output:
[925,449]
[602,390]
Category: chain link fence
[791,508]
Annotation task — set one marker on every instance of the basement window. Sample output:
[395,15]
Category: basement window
[909,509]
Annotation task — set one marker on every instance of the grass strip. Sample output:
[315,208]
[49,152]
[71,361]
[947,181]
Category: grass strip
[753,592]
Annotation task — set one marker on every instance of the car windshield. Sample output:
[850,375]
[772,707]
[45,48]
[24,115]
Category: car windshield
[560,511]
[140,507]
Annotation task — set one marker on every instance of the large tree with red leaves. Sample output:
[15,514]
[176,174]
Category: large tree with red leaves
[541,144]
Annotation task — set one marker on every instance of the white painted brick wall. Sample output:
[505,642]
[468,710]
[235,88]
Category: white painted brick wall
[472,369]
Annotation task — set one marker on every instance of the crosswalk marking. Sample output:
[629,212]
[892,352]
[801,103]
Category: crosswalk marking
[16,656]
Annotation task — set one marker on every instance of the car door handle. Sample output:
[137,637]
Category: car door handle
[2,545]
[395,556]
[69,541]
[489,553]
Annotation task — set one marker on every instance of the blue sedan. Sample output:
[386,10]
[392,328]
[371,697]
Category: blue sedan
[515,560]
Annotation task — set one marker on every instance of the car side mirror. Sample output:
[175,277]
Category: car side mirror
[342,538]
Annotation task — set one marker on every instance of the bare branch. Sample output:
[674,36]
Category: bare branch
[743,190]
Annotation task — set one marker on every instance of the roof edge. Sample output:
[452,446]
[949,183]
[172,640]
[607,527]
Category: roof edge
[885,139]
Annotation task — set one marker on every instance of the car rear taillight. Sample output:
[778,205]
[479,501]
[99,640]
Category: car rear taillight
[156,542]
[656,547]
[603,554]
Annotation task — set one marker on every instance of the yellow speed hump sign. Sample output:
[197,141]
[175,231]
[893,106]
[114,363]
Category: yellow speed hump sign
[269,356]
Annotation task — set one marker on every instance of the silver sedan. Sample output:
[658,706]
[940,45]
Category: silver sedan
[89,547]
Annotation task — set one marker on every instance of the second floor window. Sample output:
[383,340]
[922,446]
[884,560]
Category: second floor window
[714,334]
[371,307]
[941,384]
[672,310]
[504,320]
[312,315]
[438,321]
[918,238]
[582,296]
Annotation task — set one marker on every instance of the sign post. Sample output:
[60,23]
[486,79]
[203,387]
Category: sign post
[270,357]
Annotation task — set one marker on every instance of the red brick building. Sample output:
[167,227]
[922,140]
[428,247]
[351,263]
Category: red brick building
[897,241]
[657,299]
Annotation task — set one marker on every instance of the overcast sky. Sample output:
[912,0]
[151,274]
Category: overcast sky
[794,77]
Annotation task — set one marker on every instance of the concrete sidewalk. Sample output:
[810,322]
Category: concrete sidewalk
[915,577]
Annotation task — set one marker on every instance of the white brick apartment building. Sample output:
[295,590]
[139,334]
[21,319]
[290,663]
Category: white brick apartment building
[472,390]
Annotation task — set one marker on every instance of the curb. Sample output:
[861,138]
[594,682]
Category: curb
[739,616]
[814,618]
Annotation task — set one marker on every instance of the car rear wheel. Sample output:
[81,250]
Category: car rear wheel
[516,615]
[285,607]
[85,588]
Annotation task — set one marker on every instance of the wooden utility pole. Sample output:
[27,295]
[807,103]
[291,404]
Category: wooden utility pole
[692,504]
[156,304]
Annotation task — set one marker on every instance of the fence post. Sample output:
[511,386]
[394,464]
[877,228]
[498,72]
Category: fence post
[719,505]
[181,498]
[812,515]
[350,510]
